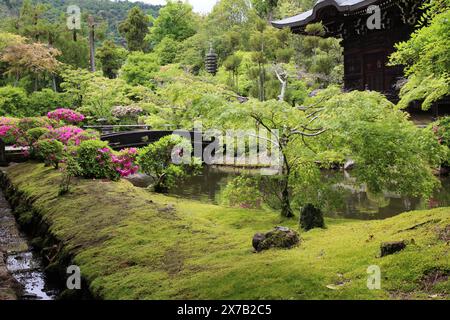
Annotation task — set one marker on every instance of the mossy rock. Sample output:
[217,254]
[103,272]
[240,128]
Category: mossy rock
[280,237]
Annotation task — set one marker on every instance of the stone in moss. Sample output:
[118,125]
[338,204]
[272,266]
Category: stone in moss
[311,217]
[280,237]
[388,248]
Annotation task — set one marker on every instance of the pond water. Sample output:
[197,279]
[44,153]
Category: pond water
[353,203]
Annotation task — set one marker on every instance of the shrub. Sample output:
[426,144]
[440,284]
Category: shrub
[122,112]
[41,102]
[94,158]
[124,162]
[242,192]
[66,115]
[13,101]
[168,161]
[32,136]
[311,217]
[71,170]
[28,123]
[9,133]
[50,151]
[35,133]
[71,135]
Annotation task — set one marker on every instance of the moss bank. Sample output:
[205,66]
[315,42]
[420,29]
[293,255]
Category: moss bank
[132,244]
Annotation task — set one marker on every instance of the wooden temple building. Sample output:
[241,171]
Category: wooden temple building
[366,50]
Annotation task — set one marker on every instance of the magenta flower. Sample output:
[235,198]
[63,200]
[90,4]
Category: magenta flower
[66,115]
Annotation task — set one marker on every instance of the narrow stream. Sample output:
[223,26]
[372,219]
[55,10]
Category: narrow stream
[24,265]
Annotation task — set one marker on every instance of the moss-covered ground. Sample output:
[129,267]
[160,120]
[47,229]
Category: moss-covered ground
[132,244]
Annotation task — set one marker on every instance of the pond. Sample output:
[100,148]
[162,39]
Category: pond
[353,203]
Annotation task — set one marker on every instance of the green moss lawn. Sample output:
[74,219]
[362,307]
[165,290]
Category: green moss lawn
[132,244]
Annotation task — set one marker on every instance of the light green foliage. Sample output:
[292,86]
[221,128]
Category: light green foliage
[94,160]
[391,152]
[168,161]
[167,50]
[232,64]
[321,58]
[265,8]
[41,102]
[111,58]
[242,192]
[13,101]
[10,39]
[135,28]
[139,69]
[289,8]
[50,151]
[94,95]
[34,134]
[176,20]
[427,62]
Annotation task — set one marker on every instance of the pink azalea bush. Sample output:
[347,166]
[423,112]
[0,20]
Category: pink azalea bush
[98,161]
[124,162]
[9,132]
[66,115]
[71,135]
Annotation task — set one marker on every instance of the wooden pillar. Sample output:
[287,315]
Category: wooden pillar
[3,161]
[91,43]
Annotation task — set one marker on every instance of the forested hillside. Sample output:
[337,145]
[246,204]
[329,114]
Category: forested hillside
[111,12]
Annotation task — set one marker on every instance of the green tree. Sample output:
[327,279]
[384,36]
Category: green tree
[426,59]
[176,20]
[391,152]
[232,64]
[111,58]
[265,8]
[168,161]
[139,69]
[167,50]
[135,28]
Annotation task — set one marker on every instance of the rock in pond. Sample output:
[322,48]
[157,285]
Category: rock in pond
[280,237]
[388,248]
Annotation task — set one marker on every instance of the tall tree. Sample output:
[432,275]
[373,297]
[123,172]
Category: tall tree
[111,58]
[265,8]
[176,20]
[135,28]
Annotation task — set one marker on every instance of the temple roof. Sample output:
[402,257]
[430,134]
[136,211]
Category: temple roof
[304,18]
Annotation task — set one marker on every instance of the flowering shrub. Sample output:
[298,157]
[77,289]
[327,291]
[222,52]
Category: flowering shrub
[124,162]
[126,112]
[97,161]
[14,131]
[71,135]
[66,115]
[9,133]
[94,158]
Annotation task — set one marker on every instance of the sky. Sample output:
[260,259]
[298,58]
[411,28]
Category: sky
[200,6]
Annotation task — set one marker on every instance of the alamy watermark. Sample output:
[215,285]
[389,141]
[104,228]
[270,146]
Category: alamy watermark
[374,278]
[258,148]
[74,279]
[73,17]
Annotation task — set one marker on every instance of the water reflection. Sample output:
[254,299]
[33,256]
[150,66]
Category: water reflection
[350,201]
